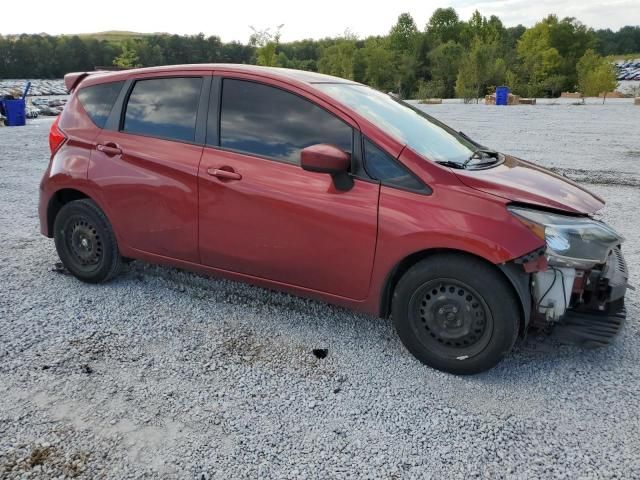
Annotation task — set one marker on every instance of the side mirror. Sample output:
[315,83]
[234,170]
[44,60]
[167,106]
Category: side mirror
[324,158]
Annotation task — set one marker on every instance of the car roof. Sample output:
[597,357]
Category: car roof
[303,80]
[270,72]
[300,75]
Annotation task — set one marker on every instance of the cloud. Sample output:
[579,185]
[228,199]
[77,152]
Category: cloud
[613,14]
[231,20]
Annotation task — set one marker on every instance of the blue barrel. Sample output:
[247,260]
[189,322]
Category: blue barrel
[14,111]
[502,95]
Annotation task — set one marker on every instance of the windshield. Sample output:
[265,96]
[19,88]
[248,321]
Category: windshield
[422,133]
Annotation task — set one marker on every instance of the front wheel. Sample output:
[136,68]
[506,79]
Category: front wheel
[86,243]
[456,313]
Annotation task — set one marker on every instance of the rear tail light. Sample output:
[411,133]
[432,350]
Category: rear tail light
[56,137]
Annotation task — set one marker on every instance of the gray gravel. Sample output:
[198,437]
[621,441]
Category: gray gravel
[164,373]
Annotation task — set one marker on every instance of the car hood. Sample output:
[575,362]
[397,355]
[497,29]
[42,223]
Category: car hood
[521,181]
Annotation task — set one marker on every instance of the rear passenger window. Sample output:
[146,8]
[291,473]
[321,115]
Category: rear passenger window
[271,122]
[98,100]
[164,107]
[387,170]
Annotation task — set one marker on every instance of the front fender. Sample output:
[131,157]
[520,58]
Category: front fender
[454,218]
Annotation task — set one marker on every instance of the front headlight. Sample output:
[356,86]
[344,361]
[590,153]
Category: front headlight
[571,241]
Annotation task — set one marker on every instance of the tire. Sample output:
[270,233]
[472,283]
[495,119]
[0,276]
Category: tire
[456,313]
[86,243]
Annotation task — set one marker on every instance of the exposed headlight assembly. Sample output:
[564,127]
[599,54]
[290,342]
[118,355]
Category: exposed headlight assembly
[571,241]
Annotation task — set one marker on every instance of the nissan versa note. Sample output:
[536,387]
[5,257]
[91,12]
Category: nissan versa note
[326,188]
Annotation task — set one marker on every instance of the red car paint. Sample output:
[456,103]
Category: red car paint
[526,182]
[277,225]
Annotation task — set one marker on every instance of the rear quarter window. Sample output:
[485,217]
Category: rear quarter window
[98,100]
[164,108]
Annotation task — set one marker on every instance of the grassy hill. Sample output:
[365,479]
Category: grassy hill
[116,35]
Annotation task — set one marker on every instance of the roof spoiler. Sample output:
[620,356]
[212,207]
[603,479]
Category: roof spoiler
[72,80]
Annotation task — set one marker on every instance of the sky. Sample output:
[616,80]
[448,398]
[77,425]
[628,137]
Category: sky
[231,20]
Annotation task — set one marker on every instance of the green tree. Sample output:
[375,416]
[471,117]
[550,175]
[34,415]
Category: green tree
[475,27]
[444,25]
[554,84]
[571,39]
[149,54]
[267,45]
[489,30]
[378,58]
[420,56]
[626,40]
[128,57]
[596,75]
[338,59]
[445,61]
[511,79]
[478,70]
[512,35]
[430,89]
[403,43]
[236,52]
[266,55]
[403,34]
[302,54]
[535,61]
[359,65]
[538,58]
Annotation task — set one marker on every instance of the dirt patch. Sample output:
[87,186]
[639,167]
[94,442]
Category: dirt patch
[38,456]
[43,461]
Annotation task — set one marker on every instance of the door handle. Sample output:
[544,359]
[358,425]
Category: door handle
[224,174]
[110,149]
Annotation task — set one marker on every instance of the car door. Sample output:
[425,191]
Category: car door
[260,213]
[147,164]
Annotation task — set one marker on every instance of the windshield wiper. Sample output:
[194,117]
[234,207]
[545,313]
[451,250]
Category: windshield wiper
[480,154]
[485,155]
[449,163]
[469,139]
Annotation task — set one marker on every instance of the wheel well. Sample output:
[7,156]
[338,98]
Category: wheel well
[401,268]
[57,201]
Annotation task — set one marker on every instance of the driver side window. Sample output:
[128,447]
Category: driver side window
[270,122]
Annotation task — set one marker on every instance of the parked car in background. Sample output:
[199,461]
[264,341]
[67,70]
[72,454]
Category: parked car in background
[326,188]
[57,102]
[32,112]
[627,70]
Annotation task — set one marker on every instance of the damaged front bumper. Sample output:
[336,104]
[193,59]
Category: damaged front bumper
[577,279]
[591,328]
[584,307]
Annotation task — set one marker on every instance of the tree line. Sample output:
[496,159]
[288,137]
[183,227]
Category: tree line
[447,57]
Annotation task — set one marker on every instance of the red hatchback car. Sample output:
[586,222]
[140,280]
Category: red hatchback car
[326,188]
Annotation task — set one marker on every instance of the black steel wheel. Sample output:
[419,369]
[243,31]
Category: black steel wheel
[85,242]
[451,318]
[456,313]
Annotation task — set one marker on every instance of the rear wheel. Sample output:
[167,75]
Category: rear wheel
[456,313]
[86,243]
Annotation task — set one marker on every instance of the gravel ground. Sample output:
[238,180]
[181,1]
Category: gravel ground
[163,373]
